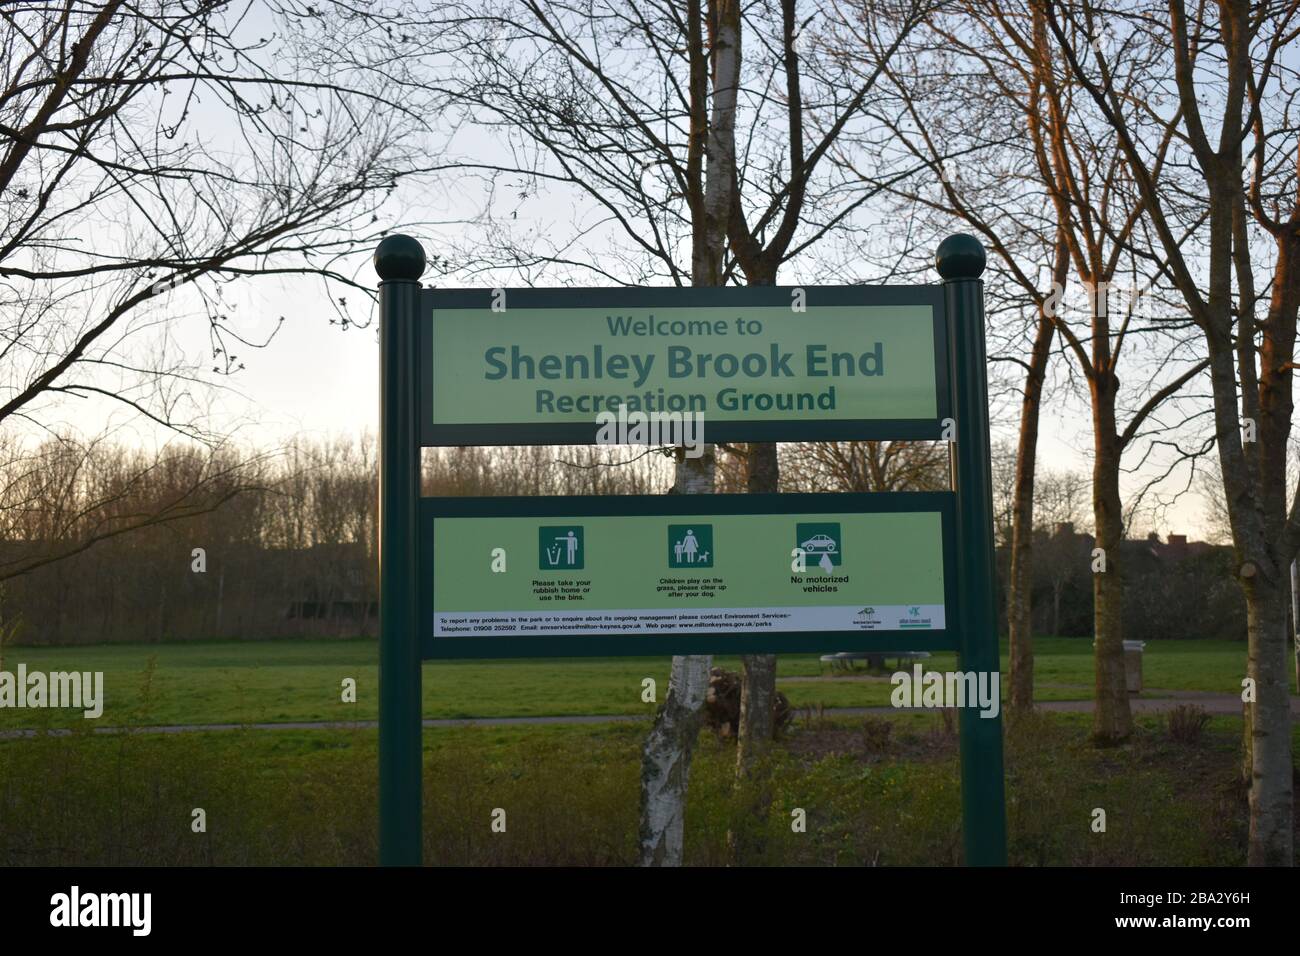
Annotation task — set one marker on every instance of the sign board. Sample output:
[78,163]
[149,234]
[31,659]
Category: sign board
[534,366]
[668,574]
[682,574]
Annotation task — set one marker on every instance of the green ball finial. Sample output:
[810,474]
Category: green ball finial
[960,256]
[399,257]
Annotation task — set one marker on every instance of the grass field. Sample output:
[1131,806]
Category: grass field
[276,681]
[876,790]
[571,796]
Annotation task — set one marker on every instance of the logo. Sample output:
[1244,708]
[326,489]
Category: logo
[75,908]
[866,618]
[913,619]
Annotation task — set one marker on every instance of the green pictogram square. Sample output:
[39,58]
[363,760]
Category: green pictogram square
[559,548]
[690,546]
[821,543]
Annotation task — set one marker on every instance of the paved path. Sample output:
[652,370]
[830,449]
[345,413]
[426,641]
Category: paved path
[888,678]
[341,725]
[1212,702]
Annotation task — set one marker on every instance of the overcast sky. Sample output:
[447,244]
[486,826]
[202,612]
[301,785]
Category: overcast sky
[319,380]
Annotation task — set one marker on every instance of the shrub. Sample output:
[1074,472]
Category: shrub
[1186,723]
[722,705]
[877,735]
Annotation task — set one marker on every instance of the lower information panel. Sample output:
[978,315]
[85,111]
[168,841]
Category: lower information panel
[667,574]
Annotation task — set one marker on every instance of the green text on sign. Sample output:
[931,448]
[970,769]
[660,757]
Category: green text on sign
[539,359]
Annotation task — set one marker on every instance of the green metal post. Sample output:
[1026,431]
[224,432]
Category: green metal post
[399,260]
[960,260]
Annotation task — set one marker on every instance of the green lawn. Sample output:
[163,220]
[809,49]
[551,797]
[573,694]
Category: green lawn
[880,790]
[571,796]
[275,681]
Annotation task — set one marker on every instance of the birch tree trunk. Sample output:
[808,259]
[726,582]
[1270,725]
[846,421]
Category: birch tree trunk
[671,744]
[666,760]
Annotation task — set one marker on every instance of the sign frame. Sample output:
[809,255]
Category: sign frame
[400,262]
[616,644]
[642,297]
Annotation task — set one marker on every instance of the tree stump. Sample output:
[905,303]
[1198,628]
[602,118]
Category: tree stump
[722,705]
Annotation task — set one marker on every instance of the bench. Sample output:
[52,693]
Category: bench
[847,660]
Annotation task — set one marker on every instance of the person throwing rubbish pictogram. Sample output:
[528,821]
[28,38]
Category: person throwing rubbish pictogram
[571,540]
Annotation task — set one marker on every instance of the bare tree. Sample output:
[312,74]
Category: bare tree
[691,137]
[769,206]
[1063,552]
[866,466]
[154,153]
[979,169]
[1222,90]
[1092,230]
[64,496]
